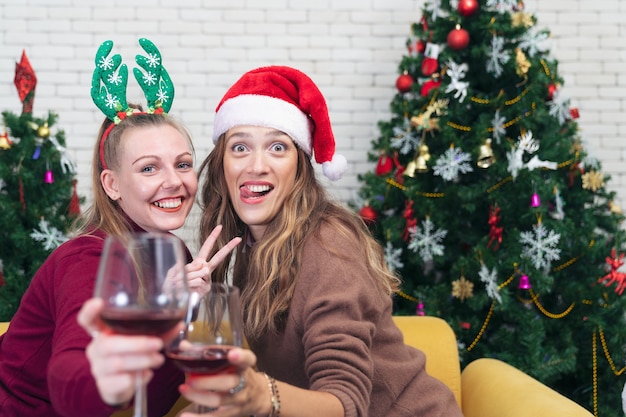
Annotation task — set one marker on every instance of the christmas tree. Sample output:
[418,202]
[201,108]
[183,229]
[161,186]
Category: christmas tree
[491,209]
[38,199]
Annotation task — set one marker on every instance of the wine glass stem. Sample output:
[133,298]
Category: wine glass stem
[141,405]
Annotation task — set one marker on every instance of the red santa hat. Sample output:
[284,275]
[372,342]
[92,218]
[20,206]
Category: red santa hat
[286,99]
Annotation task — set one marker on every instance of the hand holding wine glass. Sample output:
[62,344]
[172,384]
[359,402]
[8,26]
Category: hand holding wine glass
[214,326]
[141,280]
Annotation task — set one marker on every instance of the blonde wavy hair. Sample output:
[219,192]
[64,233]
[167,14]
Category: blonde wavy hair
[265,272]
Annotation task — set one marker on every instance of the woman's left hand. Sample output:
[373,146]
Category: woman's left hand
[217,390]
[199,270]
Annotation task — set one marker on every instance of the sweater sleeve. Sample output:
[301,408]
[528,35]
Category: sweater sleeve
[73,390]
[340,305]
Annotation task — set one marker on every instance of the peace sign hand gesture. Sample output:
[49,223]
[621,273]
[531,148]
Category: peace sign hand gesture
[199,270]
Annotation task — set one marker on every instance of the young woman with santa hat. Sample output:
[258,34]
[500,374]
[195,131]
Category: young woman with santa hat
[315,288]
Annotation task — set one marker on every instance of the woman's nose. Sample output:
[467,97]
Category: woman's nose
[172,179]
[258,163]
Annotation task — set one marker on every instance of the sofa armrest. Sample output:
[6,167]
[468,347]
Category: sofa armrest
[492,388]
[434,337]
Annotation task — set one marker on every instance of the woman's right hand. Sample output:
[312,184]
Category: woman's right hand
[199,271]
[115,359]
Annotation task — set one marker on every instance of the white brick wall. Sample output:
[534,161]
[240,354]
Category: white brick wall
[351,48]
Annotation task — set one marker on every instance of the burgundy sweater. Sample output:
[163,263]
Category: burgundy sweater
[340,338]
[43,367]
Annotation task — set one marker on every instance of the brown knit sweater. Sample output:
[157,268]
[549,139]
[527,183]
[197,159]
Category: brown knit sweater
[340,338]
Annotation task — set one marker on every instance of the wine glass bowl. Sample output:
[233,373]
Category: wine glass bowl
[141,280]
[214,326]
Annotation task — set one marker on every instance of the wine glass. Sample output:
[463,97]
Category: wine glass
[141,279]
[213,327]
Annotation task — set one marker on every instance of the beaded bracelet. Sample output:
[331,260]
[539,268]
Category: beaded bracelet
[275,400]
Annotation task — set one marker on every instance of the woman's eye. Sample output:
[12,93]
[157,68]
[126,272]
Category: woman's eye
[185,165]
[149,168]
[239,148]
[279,147]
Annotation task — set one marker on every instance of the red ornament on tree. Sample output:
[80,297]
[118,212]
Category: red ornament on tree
[420,46]
[429,85]
[551,90]
[458,38]
[368,214]
[495,230]
[467,8]
[615,262]
[384,165]
[74,207]
[404,83]
[429,66]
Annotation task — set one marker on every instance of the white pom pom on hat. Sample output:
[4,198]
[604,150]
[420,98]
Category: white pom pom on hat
[286,99]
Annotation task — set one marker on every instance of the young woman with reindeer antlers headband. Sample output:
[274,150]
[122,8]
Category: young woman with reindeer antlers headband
[143,179]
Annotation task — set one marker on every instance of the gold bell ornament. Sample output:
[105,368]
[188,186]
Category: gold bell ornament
[419,164]
[43,131]
[5,142]
[486,157]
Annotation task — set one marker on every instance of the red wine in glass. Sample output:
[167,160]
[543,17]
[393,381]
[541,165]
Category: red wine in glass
[141,281]
[141,321]
[213,327]
[209,360]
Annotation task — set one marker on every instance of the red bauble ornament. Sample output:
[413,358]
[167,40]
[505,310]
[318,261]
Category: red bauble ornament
[467,7]
[551,90]
[420,46]
[429,66]
[429,85]
[368,214]
[458,38]
[404,83]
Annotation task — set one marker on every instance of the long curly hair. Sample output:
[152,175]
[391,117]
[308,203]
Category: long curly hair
[265,272]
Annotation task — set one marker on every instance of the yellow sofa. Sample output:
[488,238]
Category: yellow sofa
[485,388]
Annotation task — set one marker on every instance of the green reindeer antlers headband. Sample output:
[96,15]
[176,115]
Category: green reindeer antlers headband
[110,77]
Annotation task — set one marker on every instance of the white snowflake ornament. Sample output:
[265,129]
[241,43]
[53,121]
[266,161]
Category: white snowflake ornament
[392,257]
[451,163]
[497,123]
[489,278]
[427,241]
[540,246]
[533,42]
[404,139]
[559,107]
[496,56]
[50,236]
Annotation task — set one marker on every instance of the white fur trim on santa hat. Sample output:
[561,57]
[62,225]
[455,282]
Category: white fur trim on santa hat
[265,111]
[335,168]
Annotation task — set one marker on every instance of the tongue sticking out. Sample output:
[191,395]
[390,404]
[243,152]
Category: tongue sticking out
[254,192]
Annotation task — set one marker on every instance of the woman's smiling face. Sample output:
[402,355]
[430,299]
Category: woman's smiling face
[155,183]
[260,166]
